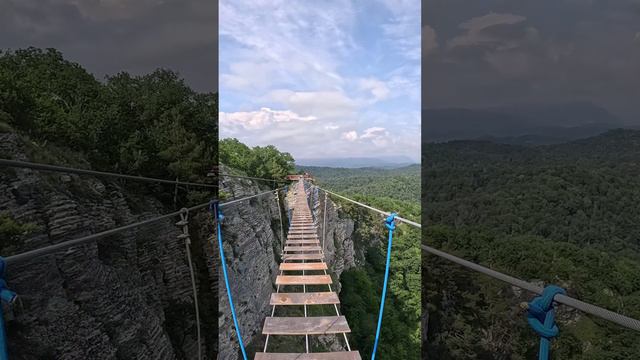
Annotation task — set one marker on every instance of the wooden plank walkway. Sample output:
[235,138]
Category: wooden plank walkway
[303,252]
[339,355]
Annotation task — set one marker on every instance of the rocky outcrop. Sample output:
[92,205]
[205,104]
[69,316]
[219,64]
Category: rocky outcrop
[252,241]
[123,297]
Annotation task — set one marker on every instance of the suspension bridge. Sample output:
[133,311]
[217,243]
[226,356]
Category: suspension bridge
[302,253]
[302,259]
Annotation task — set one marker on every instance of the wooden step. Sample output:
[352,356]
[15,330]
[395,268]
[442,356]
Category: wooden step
[302,257]
[340,355]
[302,237]
[314,325]
[303,280]
[310,298]
[303,266]
[303,242]
[302,248]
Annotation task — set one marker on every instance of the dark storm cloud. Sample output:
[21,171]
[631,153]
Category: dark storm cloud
[485,53]
[107,37]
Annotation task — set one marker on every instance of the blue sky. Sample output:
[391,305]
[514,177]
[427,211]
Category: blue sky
[332,78]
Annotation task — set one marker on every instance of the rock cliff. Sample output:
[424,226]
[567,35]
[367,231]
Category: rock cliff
[127,296]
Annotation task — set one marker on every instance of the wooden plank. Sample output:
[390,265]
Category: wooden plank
[302,257]
[303,280]
[303,266]
[310,298]
[314,325]
[302,237]
[340,355]
[302,242]
[302,248]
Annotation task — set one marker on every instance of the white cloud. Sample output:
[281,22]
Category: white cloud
[247,76]
[403,29]
[379,136]
[323,104]
[298,39]
[378,89]
[257,120]
[350,135]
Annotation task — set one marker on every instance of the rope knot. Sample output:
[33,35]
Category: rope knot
[541,315]
[390,222]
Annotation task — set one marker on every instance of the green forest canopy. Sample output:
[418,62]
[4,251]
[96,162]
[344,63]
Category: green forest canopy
[564,214]
[400,183]
[153,125]
[262,162]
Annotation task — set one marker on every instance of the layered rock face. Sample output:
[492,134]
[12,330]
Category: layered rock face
[127,296]
[253,245]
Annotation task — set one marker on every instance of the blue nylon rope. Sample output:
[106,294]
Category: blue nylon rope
[541,318]
[7,296]
[391,225]
[218,215]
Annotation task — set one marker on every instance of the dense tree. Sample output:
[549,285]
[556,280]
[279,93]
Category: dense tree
[402,183]
[263,162]
[153,125]
[564,214]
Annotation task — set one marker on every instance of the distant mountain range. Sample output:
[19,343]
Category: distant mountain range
[389,162]
[518,124]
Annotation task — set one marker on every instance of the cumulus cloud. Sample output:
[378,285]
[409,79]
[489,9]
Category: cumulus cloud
[257,120]
[324,104]
[350,135]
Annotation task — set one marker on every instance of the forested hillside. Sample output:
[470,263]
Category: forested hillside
[153,125]
[391,190]
[564,214]
[401,183]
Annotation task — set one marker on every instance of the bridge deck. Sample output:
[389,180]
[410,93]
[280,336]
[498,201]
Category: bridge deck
[301,253]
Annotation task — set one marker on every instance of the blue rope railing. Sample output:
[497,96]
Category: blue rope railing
[8,297]
[391,225]
[218,218]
